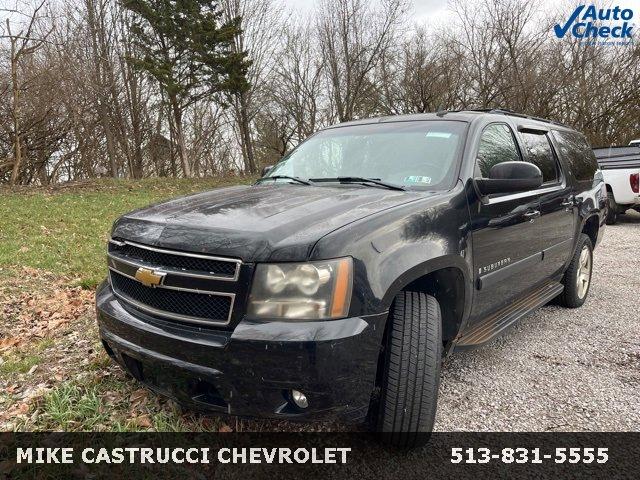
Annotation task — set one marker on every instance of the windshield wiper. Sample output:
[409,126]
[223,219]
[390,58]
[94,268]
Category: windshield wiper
[362,180]
[284,177]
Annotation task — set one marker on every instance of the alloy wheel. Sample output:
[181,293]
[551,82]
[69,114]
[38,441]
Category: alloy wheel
[584,272]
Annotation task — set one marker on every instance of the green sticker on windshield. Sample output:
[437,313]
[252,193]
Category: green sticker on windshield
[438,134]
[417,179]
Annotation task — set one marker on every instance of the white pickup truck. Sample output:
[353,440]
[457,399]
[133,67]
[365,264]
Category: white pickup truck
[621,170]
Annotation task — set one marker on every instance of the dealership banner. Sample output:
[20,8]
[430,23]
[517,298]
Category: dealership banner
[317,455]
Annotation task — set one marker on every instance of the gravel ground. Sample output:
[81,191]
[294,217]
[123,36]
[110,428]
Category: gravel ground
[559,369]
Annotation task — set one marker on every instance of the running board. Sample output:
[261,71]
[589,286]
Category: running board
[499,321]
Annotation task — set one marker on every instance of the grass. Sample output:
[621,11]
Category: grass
[44,344]
[81,406]
[15,365]
[70,405]
[66,231]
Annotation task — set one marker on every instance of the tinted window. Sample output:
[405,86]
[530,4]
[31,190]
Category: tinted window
[575,150]
[497,145]
[540,154]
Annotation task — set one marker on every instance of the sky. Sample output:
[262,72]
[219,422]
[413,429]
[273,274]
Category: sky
[435,11]
[424,9]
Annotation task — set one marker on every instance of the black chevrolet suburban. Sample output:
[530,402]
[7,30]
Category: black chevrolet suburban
[334,285]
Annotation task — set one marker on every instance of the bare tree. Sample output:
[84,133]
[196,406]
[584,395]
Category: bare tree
[298,88]
[418,75]
[73,107]
[97,17]
[258,36]
[354,36]
[133,110]
[23,43]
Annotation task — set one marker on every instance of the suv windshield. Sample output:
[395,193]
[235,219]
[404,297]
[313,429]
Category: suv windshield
[411,154]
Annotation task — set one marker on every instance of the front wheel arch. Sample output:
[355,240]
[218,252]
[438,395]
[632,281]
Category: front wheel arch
[448,282]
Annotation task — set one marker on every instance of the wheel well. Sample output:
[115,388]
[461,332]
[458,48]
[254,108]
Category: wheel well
[591,227]
[447,286]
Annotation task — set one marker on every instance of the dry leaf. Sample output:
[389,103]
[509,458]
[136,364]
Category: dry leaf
[7,343]
[12,388]
[225,428]
[137,397]
[111,397]
[143,421]
[18,409]
[56,323]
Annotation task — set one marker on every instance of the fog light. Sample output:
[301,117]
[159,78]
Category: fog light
[299,398]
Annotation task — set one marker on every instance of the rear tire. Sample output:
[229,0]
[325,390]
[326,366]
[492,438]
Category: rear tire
[412,370]
[579,271]
[612,213]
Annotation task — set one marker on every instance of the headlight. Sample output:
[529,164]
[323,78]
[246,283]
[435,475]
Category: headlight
[302,291]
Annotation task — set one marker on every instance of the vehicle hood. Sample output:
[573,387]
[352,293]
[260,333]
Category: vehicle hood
[256,223]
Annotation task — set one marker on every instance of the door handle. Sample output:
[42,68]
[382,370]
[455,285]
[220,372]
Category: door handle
[568,204]
[532,215]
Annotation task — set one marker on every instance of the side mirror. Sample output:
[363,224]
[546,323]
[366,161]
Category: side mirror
[507,177]
[266,170]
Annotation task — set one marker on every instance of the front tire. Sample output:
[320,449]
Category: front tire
[577,278]
[411,375]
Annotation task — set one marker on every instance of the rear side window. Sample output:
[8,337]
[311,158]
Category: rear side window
[575,150]
[540,154]
[497,145]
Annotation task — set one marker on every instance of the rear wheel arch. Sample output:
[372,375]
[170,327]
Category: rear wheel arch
[591,227]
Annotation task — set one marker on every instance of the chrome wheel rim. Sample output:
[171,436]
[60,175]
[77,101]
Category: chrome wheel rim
[584,272]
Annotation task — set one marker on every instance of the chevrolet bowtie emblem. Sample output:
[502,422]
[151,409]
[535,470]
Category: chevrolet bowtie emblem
[149,278]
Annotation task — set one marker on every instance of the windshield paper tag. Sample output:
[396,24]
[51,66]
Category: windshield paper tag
[417,179]
[438,134]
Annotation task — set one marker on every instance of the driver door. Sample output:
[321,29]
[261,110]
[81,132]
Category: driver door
[506,254]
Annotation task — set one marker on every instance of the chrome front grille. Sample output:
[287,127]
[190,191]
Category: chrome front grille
[171,260]
[185,287]
[179,304]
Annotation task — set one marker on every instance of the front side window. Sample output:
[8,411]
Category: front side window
[410,154]
[497,145]
[540,154]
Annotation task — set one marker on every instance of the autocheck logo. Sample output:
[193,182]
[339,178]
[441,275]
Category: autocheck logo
[589,22]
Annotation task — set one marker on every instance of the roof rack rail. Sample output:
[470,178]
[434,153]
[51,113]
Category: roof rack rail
[511,113]
[503,111]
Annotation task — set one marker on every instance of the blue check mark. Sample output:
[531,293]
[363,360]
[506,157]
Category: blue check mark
[561,31]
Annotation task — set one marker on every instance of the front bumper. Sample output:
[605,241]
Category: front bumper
[250,370]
